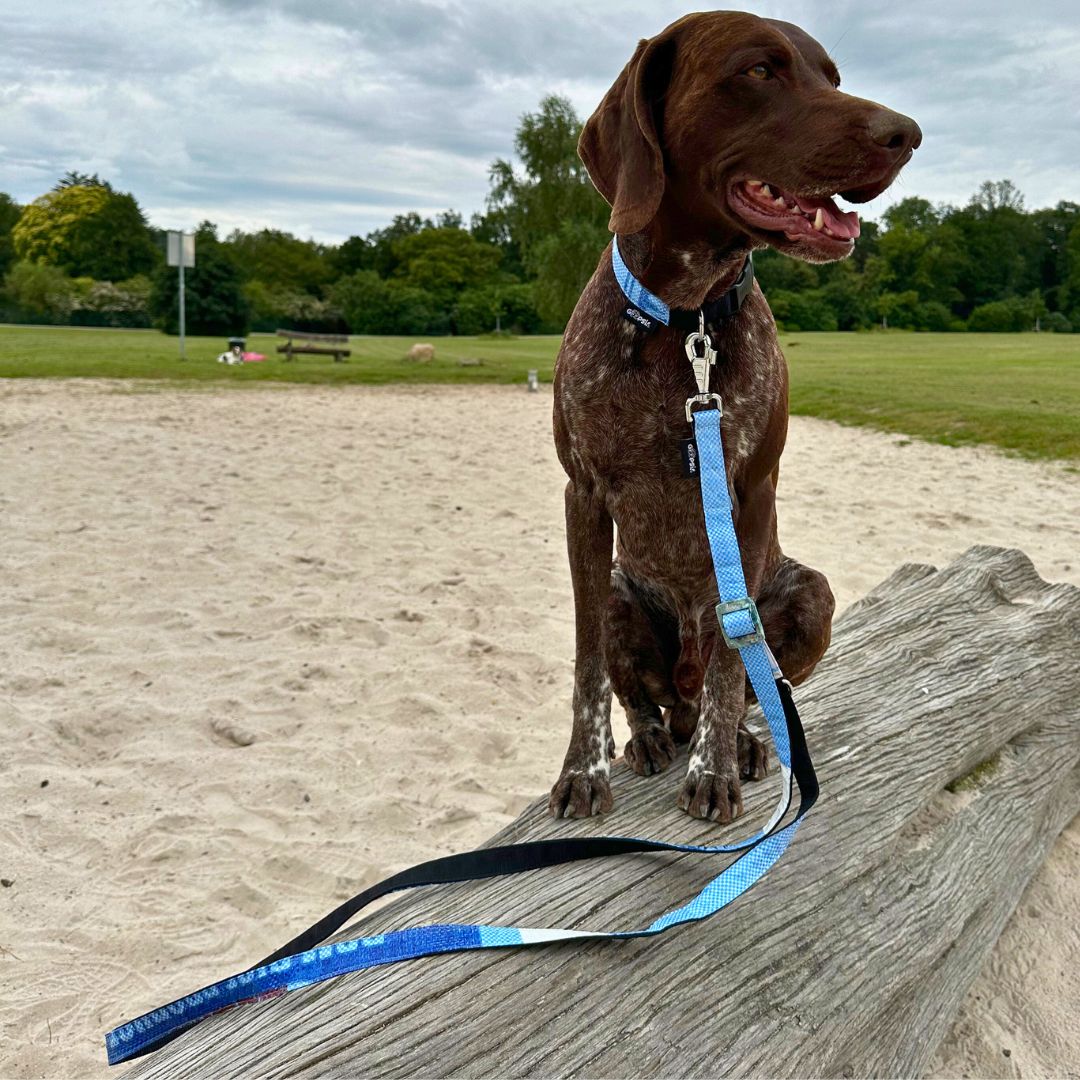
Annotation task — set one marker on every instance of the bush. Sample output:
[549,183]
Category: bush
[275,307]
[808,310]
[41,291]
[103,303]
[1056,323]
[477,309]
[371,305]
[1000,316]
[934,315]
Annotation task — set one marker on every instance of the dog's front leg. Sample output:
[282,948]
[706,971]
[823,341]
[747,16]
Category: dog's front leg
[711,789]
[584,787]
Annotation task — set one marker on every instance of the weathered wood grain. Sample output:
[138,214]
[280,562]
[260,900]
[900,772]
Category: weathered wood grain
[849,959]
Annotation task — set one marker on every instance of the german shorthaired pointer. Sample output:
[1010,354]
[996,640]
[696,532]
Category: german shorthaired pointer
[724,133]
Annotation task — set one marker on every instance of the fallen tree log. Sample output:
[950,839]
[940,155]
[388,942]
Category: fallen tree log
[945,728]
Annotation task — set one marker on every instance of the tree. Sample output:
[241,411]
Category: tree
[564,262]
[511,306]
[550,210]
[279,259]
[1071,288]
[214,303]
[74,178]
[352,255]
[1054,226]
[371,305]
[443,261]
[382,241]
[999,243]
[87,230]
[9,216]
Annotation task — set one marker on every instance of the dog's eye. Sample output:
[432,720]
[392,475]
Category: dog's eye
[760,71]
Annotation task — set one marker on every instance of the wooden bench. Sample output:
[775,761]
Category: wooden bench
[318,344]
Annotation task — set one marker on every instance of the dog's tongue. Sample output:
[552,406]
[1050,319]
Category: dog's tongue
[844,224]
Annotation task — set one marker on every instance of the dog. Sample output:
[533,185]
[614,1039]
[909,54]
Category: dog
[725,133]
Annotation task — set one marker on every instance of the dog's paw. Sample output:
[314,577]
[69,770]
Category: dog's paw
[753,756]
[650,750]
[580,794]
[711,796]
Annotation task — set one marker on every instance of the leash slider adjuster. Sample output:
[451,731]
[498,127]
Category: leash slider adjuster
[740,641]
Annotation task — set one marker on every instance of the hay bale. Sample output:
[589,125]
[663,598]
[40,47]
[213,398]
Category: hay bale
[421,353]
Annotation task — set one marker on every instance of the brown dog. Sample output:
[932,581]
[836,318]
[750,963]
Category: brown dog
[724,133]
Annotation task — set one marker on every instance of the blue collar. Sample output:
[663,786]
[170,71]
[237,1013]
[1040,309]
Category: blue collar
[647,309]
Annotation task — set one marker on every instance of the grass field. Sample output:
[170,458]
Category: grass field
[1020,392]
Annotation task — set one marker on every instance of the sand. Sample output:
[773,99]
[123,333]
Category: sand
[264,647]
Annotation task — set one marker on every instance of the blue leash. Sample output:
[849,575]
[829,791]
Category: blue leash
[304,960]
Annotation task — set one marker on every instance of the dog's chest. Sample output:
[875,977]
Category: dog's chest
[628,425]
[628,429]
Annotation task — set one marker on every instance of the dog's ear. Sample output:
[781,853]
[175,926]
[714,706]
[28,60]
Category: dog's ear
[620,143]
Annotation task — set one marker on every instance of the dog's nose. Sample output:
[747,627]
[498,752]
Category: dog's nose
[894,131]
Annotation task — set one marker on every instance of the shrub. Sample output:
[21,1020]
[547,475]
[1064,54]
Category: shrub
[1056,323]
[808,310]
[41,290]
[275,307]
[371,305]
[103,303]
[476,310]
[1001,316]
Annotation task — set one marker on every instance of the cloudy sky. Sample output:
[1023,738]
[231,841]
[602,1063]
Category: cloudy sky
[327,118]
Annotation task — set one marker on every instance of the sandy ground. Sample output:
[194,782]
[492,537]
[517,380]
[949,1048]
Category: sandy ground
[265,647]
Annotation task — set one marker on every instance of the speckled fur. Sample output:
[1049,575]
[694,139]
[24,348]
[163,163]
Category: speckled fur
[645,622]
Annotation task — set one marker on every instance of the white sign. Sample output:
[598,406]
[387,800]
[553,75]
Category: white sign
[181,249]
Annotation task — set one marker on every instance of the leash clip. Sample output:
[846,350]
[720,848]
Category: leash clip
[701,354]
[705,401]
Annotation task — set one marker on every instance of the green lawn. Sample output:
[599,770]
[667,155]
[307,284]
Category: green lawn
[147,354]
[1020,392]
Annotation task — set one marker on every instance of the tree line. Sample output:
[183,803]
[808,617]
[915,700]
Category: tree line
[85,253]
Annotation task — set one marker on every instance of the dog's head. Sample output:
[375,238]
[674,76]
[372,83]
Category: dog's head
[736,124]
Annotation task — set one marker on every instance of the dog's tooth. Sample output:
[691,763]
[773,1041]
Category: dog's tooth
[754,183]
[765,191]
[819,220]
[779,201]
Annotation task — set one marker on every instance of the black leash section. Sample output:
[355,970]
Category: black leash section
[467,866]
[278,971]
[539,854]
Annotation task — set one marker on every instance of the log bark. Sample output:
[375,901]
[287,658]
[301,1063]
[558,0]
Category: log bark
[944,725]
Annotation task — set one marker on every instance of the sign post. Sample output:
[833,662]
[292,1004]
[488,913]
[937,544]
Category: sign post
[181,254]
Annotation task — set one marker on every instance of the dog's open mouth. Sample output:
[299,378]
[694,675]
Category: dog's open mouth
[816,219]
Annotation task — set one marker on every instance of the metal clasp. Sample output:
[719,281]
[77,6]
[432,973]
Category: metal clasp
[701,354]
[704,400]
[741,641]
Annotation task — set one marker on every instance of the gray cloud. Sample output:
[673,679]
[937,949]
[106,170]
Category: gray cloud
[327,118]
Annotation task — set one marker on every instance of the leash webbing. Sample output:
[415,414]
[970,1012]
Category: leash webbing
[304,960]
